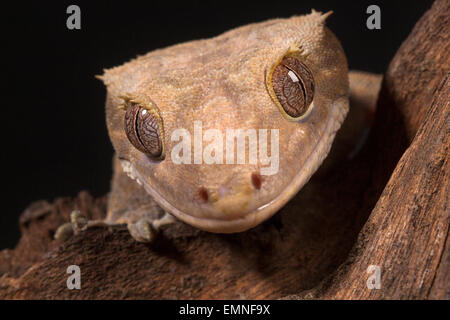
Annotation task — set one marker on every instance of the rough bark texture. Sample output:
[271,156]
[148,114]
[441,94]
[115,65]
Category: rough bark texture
[372,210]
[407,233]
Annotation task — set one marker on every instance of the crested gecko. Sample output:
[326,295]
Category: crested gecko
[281,85]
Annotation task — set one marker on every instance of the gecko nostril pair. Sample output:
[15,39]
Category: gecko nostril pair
[203,194]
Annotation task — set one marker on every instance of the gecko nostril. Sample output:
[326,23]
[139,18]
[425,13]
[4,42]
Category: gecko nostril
[256,180]
[203,194]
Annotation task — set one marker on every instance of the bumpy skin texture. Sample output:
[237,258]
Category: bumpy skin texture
[222,83]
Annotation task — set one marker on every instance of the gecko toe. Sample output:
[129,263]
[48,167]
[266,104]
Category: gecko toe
[64,232]
[78,220]
[142,231]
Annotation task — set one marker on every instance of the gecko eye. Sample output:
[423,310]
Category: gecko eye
[293,86]
[143,129]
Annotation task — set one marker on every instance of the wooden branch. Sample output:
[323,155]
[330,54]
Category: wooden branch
[372,210]
[407,234]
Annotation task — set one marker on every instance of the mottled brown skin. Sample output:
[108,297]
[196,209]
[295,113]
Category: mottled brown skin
[226,83]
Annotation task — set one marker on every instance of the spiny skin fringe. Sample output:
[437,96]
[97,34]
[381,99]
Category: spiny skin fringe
[325,16]
[321,16]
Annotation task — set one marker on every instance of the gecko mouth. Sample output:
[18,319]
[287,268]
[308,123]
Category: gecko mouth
[252,218]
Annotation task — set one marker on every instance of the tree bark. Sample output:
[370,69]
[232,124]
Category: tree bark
[407,233]
[387,207]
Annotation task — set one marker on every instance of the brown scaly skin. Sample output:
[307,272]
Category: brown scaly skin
[223,82]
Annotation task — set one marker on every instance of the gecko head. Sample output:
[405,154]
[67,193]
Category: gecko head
[223,132]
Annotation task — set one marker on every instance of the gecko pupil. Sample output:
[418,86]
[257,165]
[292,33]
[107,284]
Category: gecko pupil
[142,129]
[293,85]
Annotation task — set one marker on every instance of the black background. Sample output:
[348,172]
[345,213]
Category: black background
[53,128]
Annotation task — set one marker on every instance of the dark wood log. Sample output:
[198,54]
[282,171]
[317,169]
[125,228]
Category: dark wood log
[407,233]
[371,210]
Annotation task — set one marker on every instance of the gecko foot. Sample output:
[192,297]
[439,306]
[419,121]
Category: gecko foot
[78,223]
[144,230]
